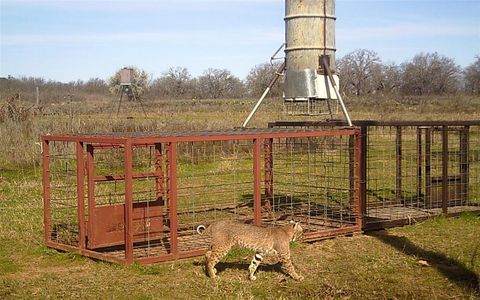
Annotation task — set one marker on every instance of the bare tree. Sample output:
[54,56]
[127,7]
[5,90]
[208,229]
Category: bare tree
[219,83]
[95,86]
[259,78]
[140,82]
[175,83]
[391,78]
[430,74]
[360,72]
[472,77]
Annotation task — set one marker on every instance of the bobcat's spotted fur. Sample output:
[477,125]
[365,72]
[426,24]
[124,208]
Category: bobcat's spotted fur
[264,240]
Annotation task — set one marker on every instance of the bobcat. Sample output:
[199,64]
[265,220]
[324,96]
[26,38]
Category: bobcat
[264,240]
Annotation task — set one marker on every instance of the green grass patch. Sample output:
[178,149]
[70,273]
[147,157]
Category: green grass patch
[148,270]
[238,253]
[8,266]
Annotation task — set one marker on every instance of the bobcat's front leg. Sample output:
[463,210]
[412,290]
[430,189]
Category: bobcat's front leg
[288,267]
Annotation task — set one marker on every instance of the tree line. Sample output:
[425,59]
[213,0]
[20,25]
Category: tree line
[361,72]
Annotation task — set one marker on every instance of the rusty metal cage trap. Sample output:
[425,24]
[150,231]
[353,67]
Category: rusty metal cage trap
[139,197]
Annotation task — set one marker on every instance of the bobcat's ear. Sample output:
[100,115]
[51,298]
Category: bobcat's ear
[297,224]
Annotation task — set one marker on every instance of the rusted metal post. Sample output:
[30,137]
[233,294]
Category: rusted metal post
[445,169]
[398,160]
[47,208]
[257,177]
[419,162]
[360,189]
[465,164]
[268,175]
[160,189]
[351,162]
[81,195]
[172,196]
[363,167]
[90,189]
[428,166]
[128,202]
[159,186]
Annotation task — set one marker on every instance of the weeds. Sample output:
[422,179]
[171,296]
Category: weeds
[14,111]
[95,116]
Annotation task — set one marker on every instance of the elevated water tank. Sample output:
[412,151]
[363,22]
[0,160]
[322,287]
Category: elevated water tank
[309,35]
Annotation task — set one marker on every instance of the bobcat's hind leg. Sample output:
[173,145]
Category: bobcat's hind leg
[257,259]
[213,257]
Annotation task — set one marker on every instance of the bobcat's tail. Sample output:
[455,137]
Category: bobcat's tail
[201,229]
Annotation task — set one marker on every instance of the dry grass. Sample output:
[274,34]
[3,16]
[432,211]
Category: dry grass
[384,265]
[97,116]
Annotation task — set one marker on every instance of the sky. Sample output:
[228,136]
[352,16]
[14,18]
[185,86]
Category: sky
[67,40]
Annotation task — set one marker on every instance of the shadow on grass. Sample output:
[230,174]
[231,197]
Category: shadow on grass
[455,271]
[243,266]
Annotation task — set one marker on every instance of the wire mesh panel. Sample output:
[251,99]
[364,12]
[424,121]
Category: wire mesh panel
[311,107]
[415,170]
[62,224]
[473,181]
[215,181]
[395,164]
[449,170]
[151,233]
[313,181]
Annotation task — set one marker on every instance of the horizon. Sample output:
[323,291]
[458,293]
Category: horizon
[74,40]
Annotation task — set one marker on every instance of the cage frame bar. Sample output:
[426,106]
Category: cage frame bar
[172,197]
[444,131]
[257,181]
[128,211]
[81,195]
[47,209]
[465,161]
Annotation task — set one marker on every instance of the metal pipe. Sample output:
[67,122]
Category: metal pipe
[363,161]
[90,195]
[359,164]
[128,212]
[172,196]
[257,182]
[274,56]
[81,195]
[268,146]
[265,93]
[445,157]
[326,67]
[398,164]
[47,205]
[342,104]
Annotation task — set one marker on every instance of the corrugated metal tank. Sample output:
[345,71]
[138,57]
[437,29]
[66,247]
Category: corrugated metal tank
[309,34]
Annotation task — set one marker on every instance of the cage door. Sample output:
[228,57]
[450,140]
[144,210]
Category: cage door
[106,202]
[447,168]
